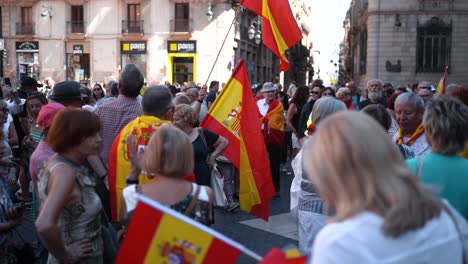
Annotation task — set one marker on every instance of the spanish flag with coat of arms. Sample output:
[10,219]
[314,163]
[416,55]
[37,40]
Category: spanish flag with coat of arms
[158,234]
[234,115]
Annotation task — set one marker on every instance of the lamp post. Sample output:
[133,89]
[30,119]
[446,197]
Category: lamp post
[254,32]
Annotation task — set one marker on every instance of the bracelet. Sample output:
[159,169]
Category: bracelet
[200,101]
[131,181]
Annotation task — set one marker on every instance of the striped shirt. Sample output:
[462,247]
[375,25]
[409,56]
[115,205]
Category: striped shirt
[115,115]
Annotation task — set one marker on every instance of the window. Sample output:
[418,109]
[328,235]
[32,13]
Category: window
[77,23]
[133,12]
[133,24]
[363,52]
[25,27]
[181,17]
[433,46]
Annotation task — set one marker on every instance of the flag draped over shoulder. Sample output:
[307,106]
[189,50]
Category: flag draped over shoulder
[287,256]
[442,83]
[119,162]
[234,115]
[157,234]
[279,28]
[273,124]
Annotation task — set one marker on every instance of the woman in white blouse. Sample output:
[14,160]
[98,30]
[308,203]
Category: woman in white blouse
[383,214]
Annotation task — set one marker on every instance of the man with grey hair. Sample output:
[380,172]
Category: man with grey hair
[409,110]
[158,108]
[272,113]
[375,94]
[197,101]
[117,113]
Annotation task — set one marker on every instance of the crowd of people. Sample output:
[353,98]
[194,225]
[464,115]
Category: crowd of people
[74,159]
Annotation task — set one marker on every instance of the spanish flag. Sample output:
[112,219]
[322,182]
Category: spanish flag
[273,123]
[442,83]
[285,256]
[279,28]
[158,234]
[234,115]
[119,162]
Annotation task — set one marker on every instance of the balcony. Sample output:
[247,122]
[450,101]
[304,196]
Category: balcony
[132,27]
[24,28]
[181,25]
[75,27]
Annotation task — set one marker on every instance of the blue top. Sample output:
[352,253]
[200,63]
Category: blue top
[447,176]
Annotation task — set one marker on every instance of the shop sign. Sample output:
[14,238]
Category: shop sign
[181,46]
[138,47]
[27,46]
[77,49]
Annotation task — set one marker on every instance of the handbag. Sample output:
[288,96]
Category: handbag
[217,183]
[109,240]
[449,213]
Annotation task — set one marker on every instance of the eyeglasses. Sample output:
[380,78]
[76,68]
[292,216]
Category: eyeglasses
[426,87]
[316,93]
[5,110]
[272,91]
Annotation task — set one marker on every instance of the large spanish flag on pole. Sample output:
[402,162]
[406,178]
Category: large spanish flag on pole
[442,83]
[235,116]
[158,234]
[119,161]
[279,28]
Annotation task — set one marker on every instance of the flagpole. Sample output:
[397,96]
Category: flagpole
[221,48]
[196,224]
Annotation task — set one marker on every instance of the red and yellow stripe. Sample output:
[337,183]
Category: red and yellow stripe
[154,236]
[273,124]
[119,163]
[279,28]
[246,149]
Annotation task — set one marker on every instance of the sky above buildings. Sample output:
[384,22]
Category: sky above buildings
[328,33]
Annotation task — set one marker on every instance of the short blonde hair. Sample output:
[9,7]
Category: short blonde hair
[169,153]
[187,113]
[384,184]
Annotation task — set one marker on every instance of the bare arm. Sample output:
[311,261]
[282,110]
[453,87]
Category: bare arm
[291,112]
[12,136]
[220,145]
[62,189]
[98,167]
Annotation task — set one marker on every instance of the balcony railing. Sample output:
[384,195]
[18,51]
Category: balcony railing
[132,27]
[181,25]
[74,27]
[24,28]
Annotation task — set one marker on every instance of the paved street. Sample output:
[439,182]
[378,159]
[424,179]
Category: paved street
[256,234]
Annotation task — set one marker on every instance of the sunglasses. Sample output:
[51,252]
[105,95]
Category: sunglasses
[5,110]
[316,93]
[270,91]
[327,94]
[426,87]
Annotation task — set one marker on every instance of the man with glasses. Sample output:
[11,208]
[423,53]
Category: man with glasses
[272,112]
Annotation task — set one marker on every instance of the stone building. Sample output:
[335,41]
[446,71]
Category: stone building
[405,41]
[170,40]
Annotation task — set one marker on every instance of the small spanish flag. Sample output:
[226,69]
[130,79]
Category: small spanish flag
[279,28]
[442,83]
[158,234]
[285,256]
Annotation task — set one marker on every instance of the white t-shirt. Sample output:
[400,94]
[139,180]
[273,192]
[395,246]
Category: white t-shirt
[360,239]
[6,127]
[419,146]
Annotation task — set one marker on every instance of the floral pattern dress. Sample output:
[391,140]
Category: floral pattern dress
[78,220]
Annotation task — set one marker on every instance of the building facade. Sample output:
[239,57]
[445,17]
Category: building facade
[170,40]
[405,41]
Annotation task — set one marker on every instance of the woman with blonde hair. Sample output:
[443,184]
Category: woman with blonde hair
[168,157]
[383,214]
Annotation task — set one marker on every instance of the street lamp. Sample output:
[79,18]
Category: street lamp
[209,13]
[254,32]
[46,11]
